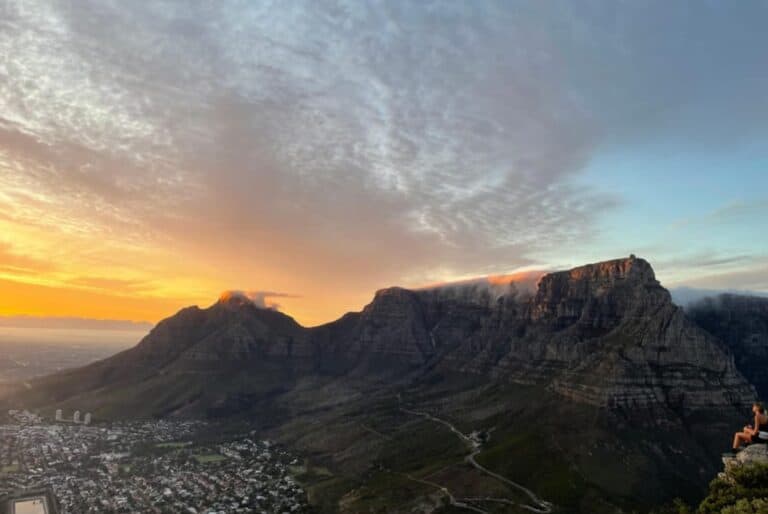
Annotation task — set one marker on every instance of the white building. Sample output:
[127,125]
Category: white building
[59,415]
[87,419]
[76,417]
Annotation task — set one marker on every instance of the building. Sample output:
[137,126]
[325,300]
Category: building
[33,501]
[87,418]
[76,417]
[59,415]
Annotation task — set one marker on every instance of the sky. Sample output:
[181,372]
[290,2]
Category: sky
[154,154]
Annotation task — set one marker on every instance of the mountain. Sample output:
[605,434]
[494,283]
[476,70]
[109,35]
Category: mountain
[606,334]
[598,390]
[194,360]
[742,323]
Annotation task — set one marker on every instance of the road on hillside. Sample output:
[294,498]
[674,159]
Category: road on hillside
[474,445]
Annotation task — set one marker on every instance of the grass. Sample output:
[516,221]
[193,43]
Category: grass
[523,458]
[174,446]
[325,495]
[383,490]
[209,458]
[310,474]
[10,468]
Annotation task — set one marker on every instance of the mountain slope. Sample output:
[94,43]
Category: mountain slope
[188,364]
[606,334]
[594,389]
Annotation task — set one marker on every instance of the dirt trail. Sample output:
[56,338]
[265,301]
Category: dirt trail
[474,445]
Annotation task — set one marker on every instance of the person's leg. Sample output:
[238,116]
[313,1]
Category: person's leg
[741,437]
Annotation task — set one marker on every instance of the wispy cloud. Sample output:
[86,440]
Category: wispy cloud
[263,299]
[338,146]
[14,262]
[369,138]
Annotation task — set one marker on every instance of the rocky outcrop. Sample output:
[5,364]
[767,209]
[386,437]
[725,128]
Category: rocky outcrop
[741,322]
[640,348]
[751,455]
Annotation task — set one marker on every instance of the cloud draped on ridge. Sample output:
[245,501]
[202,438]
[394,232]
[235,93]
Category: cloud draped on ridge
[343,145]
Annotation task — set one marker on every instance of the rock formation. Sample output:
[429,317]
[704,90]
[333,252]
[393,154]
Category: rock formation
[752,454]
[606,334]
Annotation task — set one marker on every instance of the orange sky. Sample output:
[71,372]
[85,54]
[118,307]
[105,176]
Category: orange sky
[80,253]
[48,269]
[32,285]
[144,173]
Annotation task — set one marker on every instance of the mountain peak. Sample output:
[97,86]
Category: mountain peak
[234,299]
[629,268]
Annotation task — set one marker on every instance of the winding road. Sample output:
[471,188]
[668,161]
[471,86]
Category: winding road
[474,445]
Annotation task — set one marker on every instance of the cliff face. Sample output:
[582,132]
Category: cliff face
[741,322]
[606,334]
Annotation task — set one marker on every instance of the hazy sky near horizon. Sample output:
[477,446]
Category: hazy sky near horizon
[153,154]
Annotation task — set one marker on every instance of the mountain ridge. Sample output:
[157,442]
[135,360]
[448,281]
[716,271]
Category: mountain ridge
[605,333]
[596,374]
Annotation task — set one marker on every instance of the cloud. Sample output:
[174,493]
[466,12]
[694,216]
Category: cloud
[110,284]
[688,296]
[13,262]
[709,260]
[261,299]
[329,125]
[753,279]
[488,290]
[332,145]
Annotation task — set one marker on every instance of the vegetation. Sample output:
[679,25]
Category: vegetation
[11,468]
[174,445]
[208,459]
[743,491]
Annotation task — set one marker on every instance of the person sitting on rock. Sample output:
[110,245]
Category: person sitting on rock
[751,431]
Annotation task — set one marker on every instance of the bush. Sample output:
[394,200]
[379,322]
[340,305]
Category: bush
[745,493]
[759,506]
[678,506]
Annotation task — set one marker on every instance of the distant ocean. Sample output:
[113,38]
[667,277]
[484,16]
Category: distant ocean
[71,337]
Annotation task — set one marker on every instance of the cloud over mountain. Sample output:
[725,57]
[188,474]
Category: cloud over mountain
[329,144]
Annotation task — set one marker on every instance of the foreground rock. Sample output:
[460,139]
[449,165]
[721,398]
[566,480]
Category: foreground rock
[749,456]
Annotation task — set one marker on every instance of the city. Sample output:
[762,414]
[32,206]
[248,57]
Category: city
[145,466]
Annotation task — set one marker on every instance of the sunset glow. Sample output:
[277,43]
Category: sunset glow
[211,149]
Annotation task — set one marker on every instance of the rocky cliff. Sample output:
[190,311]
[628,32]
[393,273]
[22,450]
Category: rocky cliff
[606,334]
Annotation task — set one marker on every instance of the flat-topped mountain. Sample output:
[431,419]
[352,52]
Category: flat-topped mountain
[606,334]
[617,380]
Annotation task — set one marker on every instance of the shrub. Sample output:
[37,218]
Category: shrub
[745,492]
